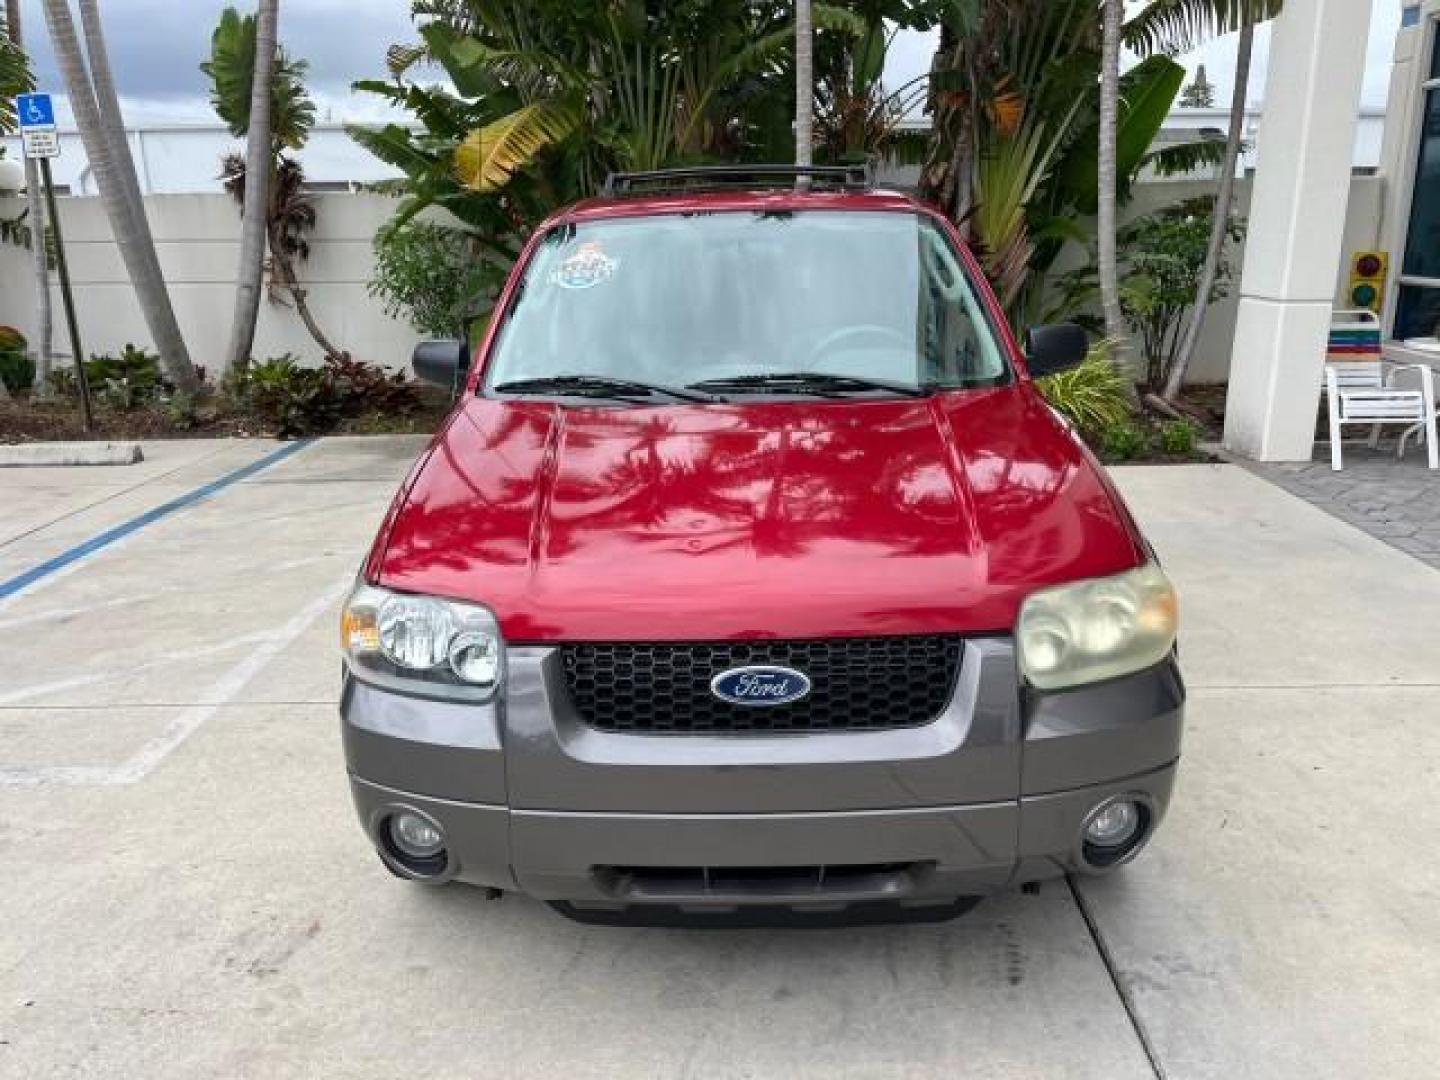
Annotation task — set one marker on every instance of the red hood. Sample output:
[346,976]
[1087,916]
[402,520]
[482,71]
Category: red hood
[762,519]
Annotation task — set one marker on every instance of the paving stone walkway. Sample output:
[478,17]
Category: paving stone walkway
[1396,501]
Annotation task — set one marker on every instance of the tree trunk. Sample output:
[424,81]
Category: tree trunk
[259,166]
[804,84]
[1220,223]
[1113,13]
[110,159]
[35,216]
[282,272]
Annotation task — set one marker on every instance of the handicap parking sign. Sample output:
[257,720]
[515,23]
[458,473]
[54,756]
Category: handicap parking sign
[35,110]
[38,134]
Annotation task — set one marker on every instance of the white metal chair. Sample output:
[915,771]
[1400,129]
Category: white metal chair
[1363,392]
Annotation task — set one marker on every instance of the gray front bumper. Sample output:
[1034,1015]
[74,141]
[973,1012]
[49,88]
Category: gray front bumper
[993,793]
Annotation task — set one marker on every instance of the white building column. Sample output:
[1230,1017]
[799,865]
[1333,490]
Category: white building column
[1297,221]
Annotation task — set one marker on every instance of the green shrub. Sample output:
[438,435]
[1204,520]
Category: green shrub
[126,381]
[17,370]
[436,277]
[1122,442]
[292,399]
[369,388]
[298,400]
[1093,396]
[1178,437]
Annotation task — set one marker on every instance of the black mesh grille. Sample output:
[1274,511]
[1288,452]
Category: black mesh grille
[857,684]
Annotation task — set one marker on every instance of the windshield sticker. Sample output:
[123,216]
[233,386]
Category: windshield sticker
[587,268]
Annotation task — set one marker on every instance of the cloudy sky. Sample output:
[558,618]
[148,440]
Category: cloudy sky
[156,45]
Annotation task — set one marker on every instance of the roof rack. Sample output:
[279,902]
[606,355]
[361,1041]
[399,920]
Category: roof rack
[747,177]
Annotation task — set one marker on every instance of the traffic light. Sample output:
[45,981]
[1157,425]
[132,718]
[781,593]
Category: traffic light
[1368,270]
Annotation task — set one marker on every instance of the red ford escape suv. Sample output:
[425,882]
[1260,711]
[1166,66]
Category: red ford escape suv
[752,574]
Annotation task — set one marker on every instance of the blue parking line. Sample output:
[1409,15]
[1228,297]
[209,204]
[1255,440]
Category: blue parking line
[84,550]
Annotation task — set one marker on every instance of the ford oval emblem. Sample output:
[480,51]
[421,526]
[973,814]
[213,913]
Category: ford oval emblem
[760,685]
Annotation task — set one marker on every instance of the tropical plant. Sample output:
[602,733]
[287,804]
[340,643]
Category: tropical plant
[433,275]
[229,73]
[126,380]
[1094,395]
[290,214]
[92,97]
[1163,254]
[15,75]
[549,96]
[298,400]
[858,118]
[1014,155]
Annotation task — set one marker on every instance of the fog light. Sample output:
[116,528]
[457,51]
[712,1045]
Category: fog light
[1113,832]
[1114,825]
[412,835]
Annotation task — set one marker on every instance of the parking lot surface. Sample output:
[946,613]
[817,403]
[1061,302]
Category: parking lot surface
[186,894]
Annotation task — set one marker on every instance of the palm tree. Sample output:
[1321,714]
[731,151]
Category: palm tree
[804,82]
[259,159]
[90,89]
[1112,20]
[1256,11]
[282,103]
[15,77]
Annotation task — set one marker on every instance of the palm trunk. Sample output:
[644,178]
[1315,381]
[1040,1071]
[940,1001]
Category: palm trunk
[35,215]
[259,165]
[1113,15]
[804,84]
[1220,224]
[109,158]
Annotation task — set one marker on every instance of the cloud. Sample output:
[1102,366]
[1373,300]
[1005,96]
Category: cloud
[156,47]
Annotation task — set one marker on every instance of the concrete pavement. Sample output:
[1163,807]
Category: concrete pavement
[186,893]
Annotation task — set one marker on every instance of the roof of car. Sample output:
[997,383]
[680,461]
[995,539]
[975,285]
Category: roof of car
[693,201]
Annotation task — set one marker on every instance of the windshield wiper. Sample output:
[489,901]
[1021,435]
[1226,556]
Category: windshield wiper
[811,382]
[597,386]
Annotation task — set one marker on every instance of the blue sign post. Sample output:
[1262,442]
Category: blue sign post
[41,140]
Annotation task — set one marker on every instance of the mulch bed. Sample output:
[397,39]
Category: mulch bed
[23,421]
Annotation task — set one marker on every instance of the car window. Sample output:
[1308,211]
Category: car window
[683,298]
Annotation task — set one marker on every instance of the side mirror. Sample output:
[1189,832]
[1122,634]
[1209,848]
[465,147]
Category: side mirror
[1049,349]
[440,362]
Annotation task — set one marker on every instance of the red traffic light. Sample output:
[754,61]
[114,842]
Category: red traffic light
[1368,265]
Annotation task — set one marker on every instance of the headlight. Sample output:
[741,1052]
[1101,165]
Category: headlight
[422,644]
[1097,629]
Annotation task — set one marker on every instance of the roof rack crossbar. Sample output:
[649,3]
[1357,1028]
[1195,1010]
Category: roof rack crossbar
[844,177]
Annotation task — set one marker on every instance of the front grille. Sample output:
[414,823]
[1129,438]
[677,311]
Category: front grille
[661,883]
[857,684]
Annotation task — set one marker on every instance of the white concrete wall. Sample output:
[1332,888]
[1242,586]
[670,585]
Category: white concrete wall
[197,237]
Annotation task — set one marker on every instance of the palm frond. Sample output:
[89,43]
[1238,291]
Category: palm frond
[1181,159]
[1179,26]
[15,77]
[489,156]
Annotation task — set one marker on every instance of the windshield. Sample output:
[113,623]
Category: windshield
[680,299]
